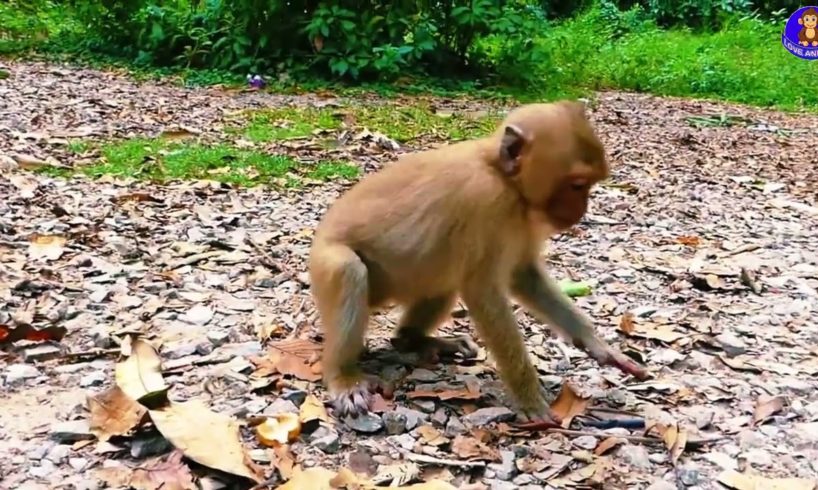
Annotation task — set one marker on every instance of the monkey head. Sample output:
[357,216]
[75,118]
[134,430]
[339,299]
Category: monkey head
[809,18]
[553,157]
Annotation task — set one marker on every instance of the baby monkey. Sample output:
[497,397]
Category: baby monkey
[465,220]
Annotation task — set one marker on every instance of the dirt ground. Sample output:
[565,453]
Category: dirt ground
[702,251]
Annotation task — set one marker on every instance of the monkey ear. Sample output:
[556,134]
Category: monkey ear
[801,21]
[511,146]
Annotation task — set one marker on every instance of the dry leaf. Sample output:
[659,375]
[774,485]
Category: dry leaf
[48,247]
[569,404]
[313,409]
[140,375]
[767,406]
[738,481]
[207,437]
[626,323]
[690,241]
[397,474]
[471,449]
[282,428]
[178,133]
[309,479]
[160,474]
[297,358]
[31,334]
[675,440]
[663,332]
[608,444]
[465,393]
[432,436]
[284,461]
[113,413]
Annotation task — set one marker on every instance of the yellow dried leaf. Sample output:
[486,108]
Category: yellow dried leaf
[313,409]
[279,429]
[739,481]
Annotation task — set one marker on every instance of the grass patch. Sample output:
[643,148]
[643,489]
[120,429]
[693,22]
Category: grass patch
[400,122]
[161,160]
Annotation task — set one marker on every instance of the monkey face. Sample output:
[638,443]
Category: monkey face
[810,21]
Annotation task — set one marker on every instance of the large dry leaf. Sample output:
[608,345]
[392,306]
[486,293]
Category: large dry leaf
[739,481]
[140,375]
[279,429]
[312,409]
[161,474]
[472,449]
[662,332]
[569,404]
[113,413]
[766,407]
[284,461]
[28,332]
[675,438]
[48,247]
[207,437]
[297,357]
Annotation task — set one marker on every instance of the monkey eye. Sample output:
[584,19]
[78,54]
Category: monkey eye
[579,184]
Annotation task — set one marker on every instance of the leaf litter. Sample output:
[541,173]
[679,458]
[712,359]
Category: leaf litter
[702,246]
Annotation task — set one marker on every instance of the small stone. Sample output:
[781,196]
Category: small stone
[254,406]
[295,396]
[38,452]
[78,464]
[506,469]
[395,422]
[704,418]
[758,457]
[732,345]
[149,445]
[44,352]
[281,406]
[59,454]
[689,476]
[367,423]
[661,485]
[524,479]
[329,443]
[500,485]
[413,417]
[18,373]
[422,375]
[102,337]
[71,431]
[636,456]
[204,348]
[218,337]
[455,427]
[96,378]
[404,441]
[585,442]
[658,458]
[807,432]
[178,350]
[749,439]
[485,416]
[46,468]
[71,368]
[440,417]
[427,406]
[260,455]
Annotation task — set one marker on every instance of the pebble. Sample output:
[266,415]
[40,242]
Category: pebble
[661,485]
[367,423]
[427,406]
[96,378]
[524,479]
[585,442]
[807,432]
[731,344]
[455,427]
[71,431]
[440,417]
[758,457]
[178,350]
[689,476]
[413,417]
[749,439]
[281,406]
[102,337]
[58,454]
[149,445]
[78,464]
[484,416]
[505,470]
[254,406]
[260,455]
[295,396]
[71,368]
[43,352]
[17,373]
[218,337]
[501,485]
[329,443]
[46,468]
[403,441]
[636,456]
[38,452]
[395,422]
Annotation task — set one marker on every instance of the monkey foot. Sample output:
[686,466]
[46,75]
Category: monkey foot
[431,349]
[355,399]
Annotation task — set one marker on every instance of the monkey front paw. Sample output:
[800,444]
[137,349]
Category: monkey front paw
[431,349]
[605,355]
[355,399]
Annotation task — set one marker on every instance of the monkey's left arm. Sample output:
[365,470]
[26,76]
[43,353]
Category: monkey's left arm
[539,293]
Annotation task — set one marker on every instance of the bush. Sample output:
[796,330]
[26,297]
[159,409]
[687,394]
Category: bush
[358,39]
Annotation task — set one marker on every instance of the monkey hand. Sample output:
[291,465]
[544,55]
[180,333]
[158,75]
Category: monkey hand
[534,410]
[606,355]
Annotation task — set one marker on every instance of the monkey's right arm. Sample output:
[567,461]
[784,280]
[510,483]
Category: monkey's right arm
[496,325]
[542,296]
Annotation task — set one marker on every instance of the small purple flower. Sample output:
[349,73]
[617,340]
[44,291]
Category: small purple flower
[256,81]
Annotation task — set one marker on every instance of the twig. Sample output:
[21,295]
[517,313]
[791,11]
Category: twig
[422,458]
[92,353]
[268,261]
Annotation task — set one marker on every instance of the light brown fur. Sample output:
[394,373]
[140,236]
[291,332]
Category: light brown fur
[467,219]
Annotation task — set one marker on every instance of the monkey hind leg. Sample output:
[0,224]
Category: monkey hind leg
[341,290]
[417,324]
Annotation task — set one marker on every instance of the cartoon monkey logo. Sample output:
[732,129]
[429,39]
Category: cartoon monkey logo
[800,35]
[808,36]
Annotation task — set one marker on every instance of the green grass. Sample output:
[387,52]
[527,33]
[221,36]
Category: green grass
[162,161]
[398,121]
